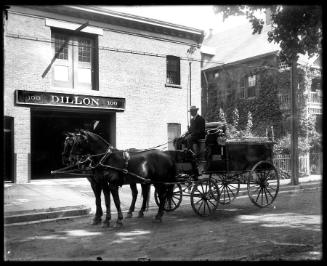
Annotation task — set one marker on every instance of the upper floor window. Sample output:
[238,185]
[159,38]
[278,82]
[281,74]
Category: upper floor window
[173,70]
[242,88]
[248,86]
[315,85]
[75,60]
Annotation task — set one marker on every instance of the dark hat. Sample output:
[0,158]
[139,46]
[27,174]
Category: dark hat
[193,107]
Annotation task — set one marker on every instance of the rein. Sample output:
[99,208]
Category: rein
[122,170]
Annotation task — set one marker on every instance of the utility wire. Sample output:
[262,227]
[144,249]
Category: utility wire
[111,49]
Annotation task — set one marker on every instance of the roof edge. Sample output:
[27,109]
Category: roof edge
[131,17]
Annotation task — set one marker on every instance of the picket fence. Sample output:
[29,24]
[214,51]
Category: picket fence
[308,164]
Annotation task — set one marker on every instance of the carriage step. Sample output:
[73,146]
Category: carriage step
[45,214]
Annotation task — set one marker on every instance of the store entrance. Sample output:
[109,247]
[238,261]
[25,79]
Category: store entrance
[48,134]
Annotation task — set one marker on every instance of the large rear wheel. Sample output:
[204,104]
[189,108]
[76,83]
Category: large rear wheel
[263,184]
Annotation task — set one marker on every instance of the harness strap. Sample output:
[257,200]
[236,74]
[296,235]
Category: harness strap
[125,171]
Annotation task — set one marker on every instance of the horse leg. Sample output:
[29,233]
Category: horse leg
[115,195]
[97,193]
[106,193]
[145,194]
[162,197]
[134,195]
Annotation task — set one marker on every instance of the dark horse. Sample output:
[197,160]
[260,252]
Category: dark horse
[113,168]
[98,186]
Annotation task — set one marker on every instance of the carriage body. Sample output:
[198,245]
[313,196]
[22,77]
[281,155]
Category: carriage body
[238,155]
[232,162]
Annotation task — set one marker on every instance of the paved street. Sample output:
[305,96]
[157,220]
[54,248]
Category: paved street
[288,230]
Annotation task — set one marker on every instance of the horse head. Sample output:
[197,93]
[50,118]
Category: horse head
[68,143]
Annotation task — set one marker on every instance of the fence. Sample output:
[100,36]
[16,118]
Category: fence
[308,164]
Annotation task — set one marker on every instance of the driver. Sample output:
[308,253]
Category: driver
[196,130]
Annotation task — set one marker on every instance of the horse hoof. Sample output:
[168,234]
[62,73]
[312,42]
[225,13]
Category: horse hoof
[140,215]
[157,220]
[129,215]
[106,224]
[96,221]
[118,224]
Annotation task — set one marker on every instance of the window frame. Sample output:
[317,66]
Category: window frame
[251,88]
[73,64]
[169,81]
[242,88]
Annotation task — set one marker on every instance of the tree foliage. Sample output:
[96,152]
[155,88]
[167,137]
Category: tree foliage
[297,29]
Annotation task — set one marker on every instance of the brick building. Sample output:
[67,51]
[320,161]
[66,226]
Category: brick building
[123,76]
[243,71]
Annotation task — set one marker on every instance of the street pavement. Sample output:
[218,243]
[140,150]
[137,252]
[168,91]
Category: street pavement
[65,198]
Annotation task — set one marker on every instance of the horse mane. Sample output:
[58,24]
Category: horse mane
[96,136]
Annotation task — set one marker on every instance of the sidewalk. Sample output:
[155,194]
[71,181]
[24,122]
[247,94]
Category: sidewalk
[70,197]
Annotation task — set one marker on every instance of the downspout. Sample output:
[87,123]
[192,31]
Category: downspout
[207,88]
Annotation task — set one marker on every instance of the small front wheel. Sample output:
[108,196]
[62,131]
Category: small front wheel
[205,197]
[173,201]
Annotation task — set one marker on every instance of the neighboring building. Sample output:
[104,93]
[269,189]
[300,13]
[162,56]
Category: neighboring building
[124,76]
[242,70]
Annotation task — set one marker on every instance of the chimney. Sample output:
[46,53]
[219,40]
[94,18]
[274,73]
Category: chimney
[268,16]
[210,33]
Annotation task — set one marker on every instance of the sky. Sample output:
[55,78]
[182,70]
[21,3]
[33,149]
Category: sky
[196,16]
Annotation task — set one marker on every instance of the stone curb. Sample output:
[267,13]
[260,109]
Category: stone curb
[47,214]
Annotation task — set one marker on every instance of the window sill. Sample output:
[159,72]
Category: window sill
[173,86]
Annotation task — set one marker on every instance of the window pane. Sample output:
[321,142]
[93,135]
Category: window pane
[251,92]
[251,81]
[242,88]
[61,73]
[84,75]
[173,70]
[84,50]
[59,42]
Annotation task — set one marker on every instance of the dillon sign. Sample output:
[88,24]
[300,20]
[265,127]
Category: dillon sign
[68,100]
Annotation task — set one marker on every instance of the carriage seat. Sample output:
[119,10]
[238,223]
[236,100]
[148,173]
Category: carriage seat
[215,146]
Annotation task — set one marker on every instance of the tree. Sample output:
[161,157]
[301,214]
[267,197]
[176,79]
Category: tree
[222,117]
[297,30]
[235,118]
[249,125]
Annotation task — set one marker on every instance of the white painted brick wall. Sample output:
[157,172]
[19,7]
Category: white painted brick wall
[138,78]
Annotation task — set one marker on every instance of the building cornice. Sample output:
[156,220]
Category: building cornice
[107,16]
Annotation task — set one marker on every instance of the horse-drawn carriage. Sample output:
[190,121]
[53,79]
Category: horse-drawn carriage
[229,163]
[210,176]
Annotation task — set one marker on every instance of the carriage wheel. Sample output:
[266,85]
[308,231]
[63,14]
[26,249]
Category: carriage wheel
[263,184]
[172,203]
[229,186]
[205,197]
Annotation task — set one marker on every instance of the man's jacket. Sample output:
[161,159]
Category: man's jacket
[197,127]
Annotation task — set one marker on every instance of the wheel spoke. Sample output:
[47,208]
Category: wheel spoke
[266,196]
[227,192]
[212,203]
[210,211]
[258,195]
[200,204]
[269,193]
[231,191]
[198,201]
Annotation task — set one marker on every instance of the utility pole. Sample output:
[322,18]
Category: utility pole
[294,127]
[190,67]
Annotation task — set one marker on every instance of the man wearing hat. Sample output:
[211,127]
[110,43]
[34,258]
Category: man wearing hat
[197,128]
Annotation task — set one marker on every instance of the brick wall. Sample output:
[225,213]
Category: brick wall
[150,105]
